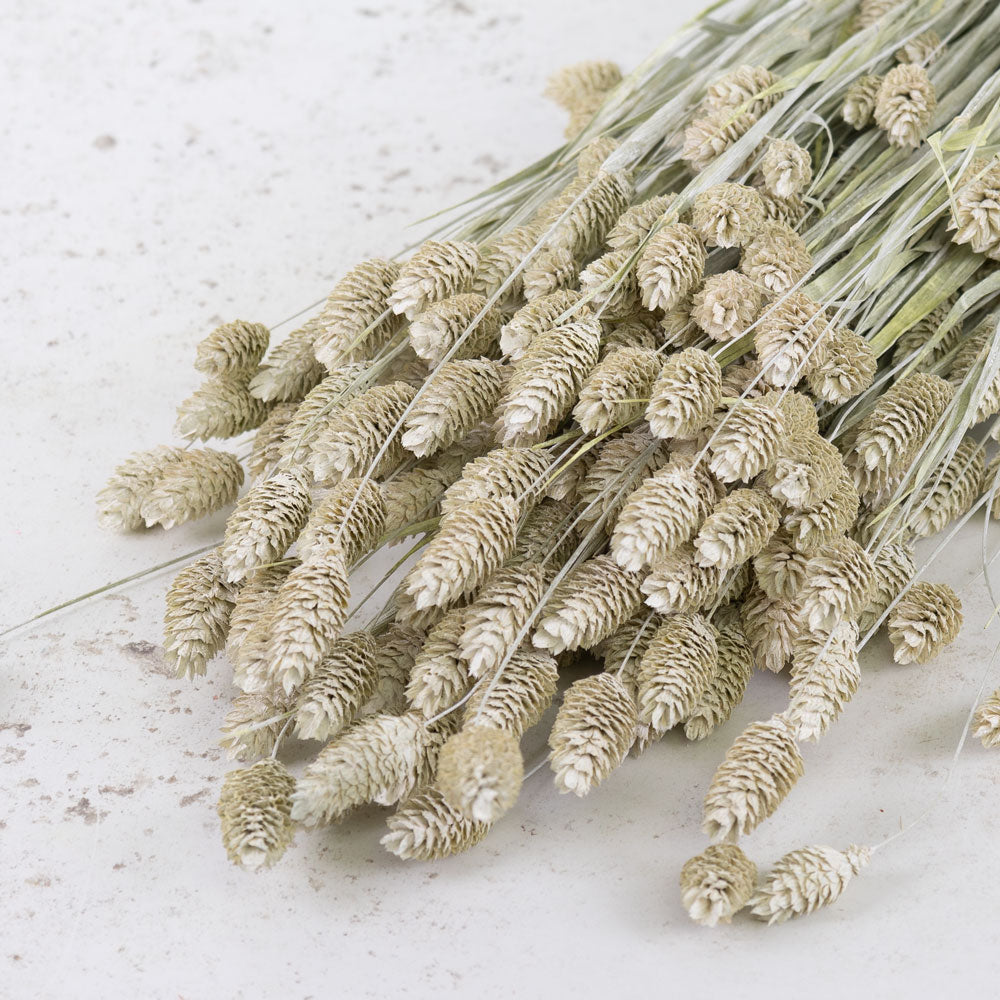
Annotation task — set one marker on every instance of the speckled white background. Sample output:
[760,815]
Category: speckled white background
[168,166]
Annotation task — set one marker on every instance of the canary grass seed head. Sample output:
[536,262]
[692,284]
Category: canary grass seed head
[679,584]
[859,102]
[480,770]
[200,482]
[840,581]
[439,269]
[615,390]
[825,676]
[727,686]
[269,438]
[119,503]
[551,270]
[503,473]
[515,697]
[290,370]
[726,305]
[905,104]
[776,259]
[611,285]
[737,529]
[746,86]
[426,828]
[220,408]
[747,441]
[986,721]
[894,571]
[685,395]
[570,84]
[438,329]
[847,370]
[536,318]
[806,471]
[670,266]
[255,813]
[951,490]
[349,520]
[232,349]
[501,259]
[244,736]
[772,626]
[712,133]
[926,619]
[728,215]
[975,210]
[780,568]
[717,884]
[635,224]
[792,339]
[786,168]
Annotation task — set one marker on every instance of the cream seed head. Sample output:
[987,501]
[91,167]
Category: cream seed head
[396,650]
[567,85]
[986,721]
[197,484]
[923,48]
[426,828]
[516,698]
[251,604]
[551,270]
[592,157]
[786,168]
[255,813]
[640,330]
[413,497]
[350,519]
[438,270]
[219,408]
[747,441]
[726,305]
[859,102]
[894,570]
[586,220]
[951,490]
[737,529]
[806,471]
[679,584]
[712,133]
[825,676]
[548,528]
[611,285]
[269,438]
[480,770]
[503,473]
[535,318]
[291,368]
[792,339]
[438,677]
[500,259]
[811,527]
[788,211]
[780,568]
[840,581]
[119,504]
[872,11]
[925,329]
[925,620]
[726,688]
[744,86]
[847,370]
[232,349]
[975,210]
[905,105]
[614,392]
[623,650]
[772,626]
[244,738]
[776,258]
[670,266]
[634,225]
[439,327]
[685,395]
[728,215]
[717,884]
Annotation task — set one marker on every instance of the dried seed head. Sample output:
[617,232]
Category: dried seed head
[414,496]
[711,134]
[792,339]
[772,626]
[717,884]
[986,721]
[232,350]
[641,330]
[264,524]
[254,810]
[846,371]
[737,529]
[514,473]
[676,670]
[894,570]
[840,581]
[269,438]
[921,333]
[333,697]
[200,482]
[547,532]
[350,520]
[806,472]
[199,603]
[805,880]
[471,543]
[905,104]
[396,650]
[788,211]
[776,258]
[518,698]
[871,11]
[759,771]
[534,319]
[252,601]
[480,771]
[747,441]
[426,828]
[438,270]
[436,329]
[591,602]
[727,686]
[798,412]
[634,225]
[670,266]
[349,442]
[501,259]
[219,408]
[786,167]
[926,620]
[685,395]
[571,84]
[592,733]
[379,759]
[780,568]
[744,378]
[976,210]
[352,321]
[291,369]
[615,391]
[728,215]
[745,85]
[859,102]
[611,283]
[923,48]
[971,357]
[624,649]
[588,214]
[550,270]
[243,737]
[679,584]
[119,504]
[825,676]
[592,156]
[950,491]
[726,305]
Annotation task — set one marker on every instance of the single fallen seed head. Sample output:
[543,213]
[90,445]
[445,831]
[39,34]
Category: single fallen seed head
[925,620]
[255,813]
[717,883]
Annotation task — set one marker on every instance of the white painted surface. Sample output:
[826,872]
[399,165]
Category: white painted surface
[168,166]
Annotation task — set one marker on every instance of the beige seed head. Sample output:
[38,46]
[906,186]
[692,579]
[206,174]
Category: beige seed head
[254,810]
[243,737]
[923,48]
[501,259]
[197,484]
[550,270]
[792,339]
[232,350]
[798,412]
[772,626]
[438,270]
[840,581]
[119,504]
[614,391]
[872,11]
[623,650]
[611,284]
[396,650]
[972,357]
[350,519]
[925,329]
[685,395]
[859,102]
[758,773]
[518,698]
[592,157]
[641,330]
[847,370]
[728,215]
[976,210]
[780,569]
[747,442]
[480,771]
[825,676]
[786,168]
[806,879]
[586,218]
[726,305]
[788,211]
[744,378]
[592,733]
[806,471]
[252,601]
[894,570]
[570,84]
[810,527]
[437,328]
[776,258]
[426,828]
[905,104]
[679,584]
[547,531]
[219,408]
[717,884]
[926,620]
[745,85]
[514,473]
[634,224]
[412,497]
[986,721]
[712,133]
[736,530]
[269,438]
[291,368]
[670,266]
[534,319]
[951,490]
[726,688]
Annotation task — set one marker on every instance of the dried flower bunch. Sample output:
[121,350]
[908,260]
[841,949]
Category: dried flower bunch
[666,408]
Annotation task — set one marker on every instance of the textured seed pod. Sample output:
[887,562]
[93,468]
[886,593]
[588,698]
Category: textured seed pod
[635,223]
[352,318]
[331,528]
[515,473]
[728,215]
[788,211]
[480,770]
[670,266]
[501,609]
[806,471]
[840,581]
[438,270]
[780,568]
[806,879]
[614,391]
[717,884]
[745,85]
[685,395]
[591,602]
[661,514]
[436,330]
[890,437]
[534,319]
[426,828]
[920,334]
[119,504]
[199,604]
[792,339]
[759,771]
[747,441]
[926,620]
[611,284]
[382,759]
[471,543]
[859,102]
[305,618]
[333,696]
[547,531]
[501,259]
[291,369]
[736,530]
[623,650]
[592,157]
[251,603]
[951,490]
[825,676]
[548,380]
[986,721]
[776,258]
[679,584]
[414,496]
[640,331]
[744,378]
[396,650]
[232,349]
[905,104]
[199,483]
[519,697]
[872,11]
[219,408]
[587,218]
[244,738]
[894,569]
[254,810]
[923,48]
[711,134]
[968,359]
[592,733]
[264,524]
[786,168]
[550,270]
[676,670]
[726,688]
[269,438]
[811,527]
[976,210]
[348,444]
[726,305]
[847,369]
[569,84]
[772,626]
